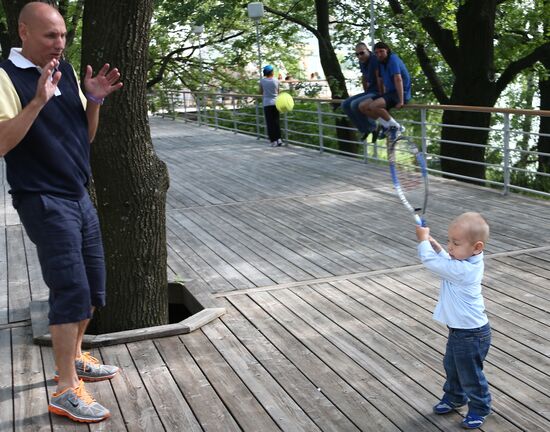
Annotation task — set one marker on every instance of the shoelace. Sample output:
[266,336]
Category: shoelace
[83,394]
[87,358]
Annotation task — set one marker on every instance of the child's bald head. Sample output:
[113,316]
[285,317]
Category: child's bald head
[474,226]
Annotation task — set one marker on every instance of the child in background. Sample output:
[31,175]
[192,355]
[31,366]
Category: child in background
[269,88]
[460,306]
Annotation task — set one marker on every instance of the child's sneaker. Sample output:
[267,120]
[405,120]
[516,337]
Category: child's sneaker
[473,421]
[77,404]
[88,368]
[445,406]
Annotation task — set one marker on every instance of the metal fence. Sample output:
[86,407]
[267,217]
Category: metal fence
[511,159]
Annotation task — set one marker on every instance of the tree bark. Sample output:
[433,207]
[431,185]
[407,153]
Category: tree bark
[471,60]
[331,69]
[130,180]
[543,144]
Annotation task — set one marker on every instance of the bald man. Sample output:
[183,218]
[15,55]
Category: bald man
[46,127]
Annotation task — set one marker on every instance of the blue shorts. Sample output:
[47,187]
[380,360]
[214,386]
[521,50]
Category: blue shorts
[68,241]
[391,98]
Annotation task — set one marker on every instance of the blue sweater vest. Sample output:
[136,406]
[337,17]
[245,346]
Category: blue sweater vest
[54,156]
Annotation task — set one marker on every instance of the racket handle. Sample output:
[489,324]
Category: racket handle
[419,221]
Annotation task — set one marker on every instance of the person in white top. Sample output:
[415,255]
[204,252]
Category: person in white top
[269,88]
[460,306]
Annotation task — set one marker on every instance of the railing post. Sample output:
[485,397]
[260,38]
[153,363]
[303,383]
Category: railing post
[285,122]
[173,105]
[506,161]
[320,123]
[198,107]
[257,119]
[215,111]
[424,138]
[184,94]
[234,114]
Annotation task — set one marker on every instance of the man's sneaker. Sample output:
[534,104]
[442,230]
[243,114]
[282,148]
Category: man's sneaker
[78,405]
[382,132]
[89,369]
[375,134]
[473,421]
[445,406]
[395,131]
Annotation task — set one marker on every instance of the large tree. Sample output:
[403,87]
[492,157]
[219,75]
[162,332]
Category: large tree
[130,180]
[316,20]
[464,35]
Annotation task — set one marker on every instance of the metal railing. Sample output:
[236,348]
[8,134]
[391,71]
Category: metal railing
[510,153]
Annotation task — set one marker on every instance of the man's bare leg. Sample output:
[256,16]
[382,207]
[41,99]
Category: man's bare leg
[64,337]
[82,326]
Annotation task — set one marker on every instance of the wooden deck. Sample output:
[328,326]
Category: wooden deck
[328,323]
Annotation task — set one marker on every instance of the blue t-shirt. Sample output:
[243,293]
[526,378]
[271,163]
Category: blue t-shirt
[394,65]
[368,70]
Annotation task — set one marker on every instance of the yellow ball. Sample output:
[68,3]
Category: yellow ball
[284,102]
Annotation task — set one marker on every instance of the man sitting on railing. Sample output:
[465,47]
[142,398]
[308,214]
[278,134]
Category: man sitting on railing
[368,65]
[394,79]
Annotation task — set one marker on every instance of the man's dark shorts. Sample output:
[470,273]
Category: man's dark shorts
[70,250]
[391,98]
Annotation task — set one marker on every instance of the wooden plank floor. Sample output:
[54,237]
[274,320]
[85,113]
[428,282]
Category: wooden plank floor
[328,324]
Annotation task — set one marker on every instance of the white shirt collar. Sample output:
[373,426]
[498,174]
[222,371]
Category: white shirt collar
[22,62]
[19,60]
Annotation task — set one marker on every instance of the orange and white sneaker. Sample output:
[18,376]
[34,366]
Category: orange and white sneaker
[77,404]
[89,369]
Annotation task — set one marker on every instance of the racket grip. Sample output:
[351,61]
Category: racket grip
[419,221]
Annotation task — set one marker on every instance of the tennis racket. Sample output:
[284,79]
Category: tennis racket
[410,176]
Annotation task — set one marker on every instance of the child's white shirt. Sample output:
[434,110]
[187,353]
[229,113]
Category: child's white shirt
[460,304]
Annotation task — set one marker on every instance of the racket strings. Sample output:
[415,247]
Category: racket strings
[409,174]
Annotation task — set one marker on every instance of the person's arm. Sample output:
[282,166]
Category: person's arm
[379,82]
[12,131]
[398,81]
[365,83]
[98,88]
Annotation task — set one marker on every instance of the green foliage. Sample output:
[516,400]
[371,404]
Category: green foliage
[228,44]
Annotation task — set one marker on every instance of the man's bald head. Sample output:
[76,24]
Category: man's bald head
[34,11]
[42,31]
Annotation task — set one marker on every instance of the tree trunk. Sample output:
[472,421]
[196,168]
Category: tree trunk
[335,77]
[464,151]
[130,180]
[543,144]
[474,85]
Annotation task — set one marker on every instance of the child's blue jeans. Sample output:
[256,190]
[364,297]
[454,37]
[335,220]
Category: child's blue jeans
[463,362]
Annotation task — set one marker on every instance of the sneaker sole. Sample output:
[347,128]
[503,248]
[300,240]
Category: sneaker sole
[90,379]
[449,411]
[62,412]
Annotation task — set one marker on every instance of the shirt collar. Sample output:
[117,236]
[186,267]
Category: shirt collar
[475,258]
[19,60]
[22,62]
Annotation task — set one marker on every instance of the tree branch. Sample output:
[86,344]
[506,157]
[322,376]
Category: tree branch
[519,65]
[443,39]
[169,57]
[431,75]
[295,20]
